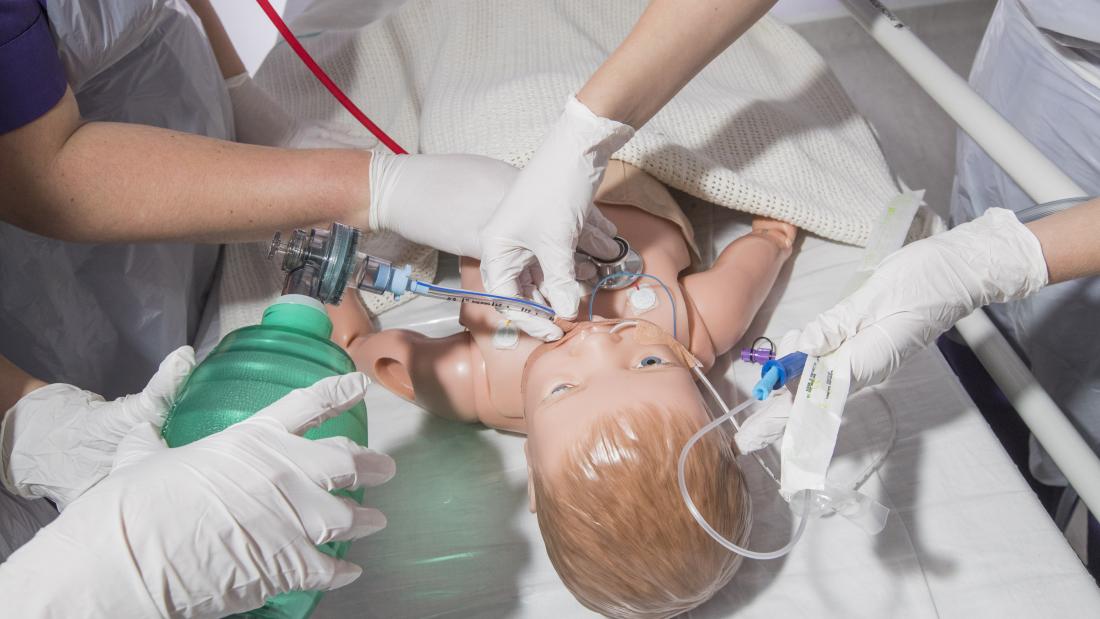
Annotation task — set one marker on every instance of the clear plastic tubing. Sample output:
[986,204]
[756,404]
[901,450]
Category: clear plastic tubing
[803,513]
[1040,211]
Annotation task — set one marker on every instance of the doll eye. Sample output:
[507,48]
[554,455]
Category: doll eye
[562,388]
[651,361]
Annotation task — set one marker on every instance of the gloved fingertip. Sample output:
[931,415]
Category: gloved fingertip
[350,387]
[368,521]
[173,370]
[601,246]
[346,573]
[376,468]
[585,270]
[602,223]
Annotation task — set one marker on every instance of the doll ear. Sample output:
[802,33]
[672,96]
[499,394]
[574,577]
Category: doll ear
[530,480]
[394,376]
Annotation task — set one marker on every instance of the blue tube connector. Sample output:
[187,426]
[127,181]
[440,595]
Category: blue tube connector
[777,372]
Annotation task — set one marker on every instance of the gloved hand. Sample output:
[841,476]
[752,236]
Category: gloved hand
[60,440]
[208,529]
[259,120]
[442,201]
[548,212]
[921,290]
[413,195]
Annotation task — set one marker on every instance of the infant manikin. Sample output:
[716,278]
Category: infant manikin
[607,408]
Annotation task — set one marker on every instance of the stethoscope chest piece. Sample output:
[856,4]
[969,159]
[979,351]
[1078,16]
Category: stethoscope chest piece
[618,272]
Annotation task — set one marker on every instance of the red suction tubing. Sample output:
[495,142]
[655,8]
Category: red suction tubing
[323,77]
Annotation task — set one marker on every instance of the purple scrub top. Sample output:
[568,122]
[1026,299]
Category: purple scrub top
[32,79]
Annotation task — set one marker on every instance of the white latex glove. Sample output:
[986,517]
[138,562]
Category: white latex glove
[548,212]
[921,290]
[208,529]
[60,440]
[258,119]
[442,201]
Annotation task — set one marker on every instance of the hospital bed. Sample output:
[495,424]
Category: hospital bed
[965,536]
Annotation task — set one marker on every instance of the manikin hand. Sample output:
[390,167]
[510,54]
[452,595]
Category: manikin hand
[921,290]
[208,529]
[548,212]
[60,440]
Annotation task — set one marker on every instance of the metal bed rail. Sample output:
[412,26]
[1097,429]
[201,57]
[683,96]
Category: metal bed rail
[1043,182]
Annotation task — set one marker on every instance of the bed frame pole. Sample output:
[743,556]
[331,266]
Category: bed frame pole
[1043,182]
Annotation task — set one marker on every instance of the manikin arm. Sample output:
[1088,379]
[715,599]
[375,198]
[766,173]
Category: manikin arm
[14,384]
[729,293]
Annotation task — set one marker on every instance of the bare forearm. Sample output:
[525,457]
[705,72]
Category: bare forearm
[228,60]
[180,186]
[112,182]
[1071,241]
[14,384]
[671,43]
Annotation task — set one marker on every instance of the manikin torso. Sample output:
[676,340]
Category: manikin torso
[470,377]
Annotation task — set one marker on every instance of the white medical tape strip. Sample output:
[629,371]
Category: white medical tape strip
[818,408]
[887,235]
[814,422]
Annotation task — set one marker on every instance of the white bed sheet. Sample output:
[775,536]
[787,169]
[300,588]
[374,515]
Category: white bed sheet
[965,538]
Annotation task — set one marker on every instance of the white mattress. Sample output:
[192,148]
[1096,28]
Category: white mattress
[965,538]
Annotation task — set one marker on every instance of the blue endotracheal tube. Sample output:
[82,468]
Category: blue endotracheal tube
[322,263]
[777,373]
[380,276]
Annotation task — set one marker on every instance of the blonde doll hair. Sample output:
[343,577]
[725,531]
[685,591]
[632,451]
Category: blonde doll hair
[616,528]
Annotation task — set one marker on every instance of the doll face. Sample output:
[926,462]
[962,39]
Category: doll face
[598,369]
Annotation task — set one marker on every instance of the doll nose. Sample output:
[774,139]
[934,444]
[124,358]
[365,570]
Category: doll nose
[592,343]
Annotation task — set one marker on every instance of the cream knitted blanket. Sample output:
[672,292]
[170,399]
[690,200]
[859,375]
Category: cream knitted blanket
[765,128]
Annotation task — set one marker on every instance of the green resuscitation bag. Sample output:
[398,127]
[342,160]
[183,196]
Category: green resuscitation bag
[253,367]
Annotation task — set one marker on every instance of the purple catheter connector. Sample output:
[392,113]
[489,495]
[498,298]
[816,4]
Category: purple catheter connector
[757,355]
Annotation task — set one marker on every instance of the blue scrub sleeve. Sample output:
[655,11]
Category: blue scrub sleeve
[32,79]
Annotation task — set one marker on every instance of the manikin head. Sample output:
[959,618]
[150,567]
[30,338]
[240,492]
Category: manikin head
[608,409]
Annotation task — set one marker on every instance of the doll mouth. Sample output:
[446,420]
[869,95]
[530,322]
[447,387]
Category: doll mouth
[607,326]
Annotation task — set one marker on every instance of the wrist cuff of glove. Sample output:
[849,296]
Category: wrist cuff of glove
[602,136]
[385,170]
[1021,268]
[237,81]
[7,443]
